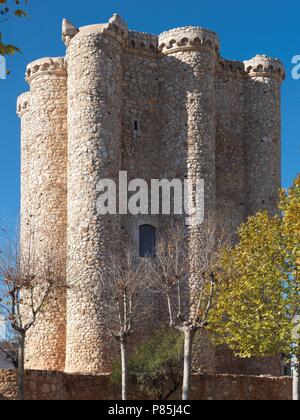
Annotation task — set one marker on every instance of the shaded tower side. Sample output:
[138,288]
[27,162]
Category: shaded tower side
[230,149]
[94,153]
[248,162]
[188,112]
[141,116]
[141,156]
[44,201]
[263,133]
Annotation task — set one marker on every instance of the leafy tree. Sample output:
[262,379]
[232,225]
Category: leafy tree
[9,9]
[257,299]
[156,365]
[290,206]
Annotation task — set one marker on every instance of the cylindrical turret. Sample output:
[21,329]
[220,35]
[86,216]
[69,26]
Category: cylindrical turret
[44,199]
[188,65]
[94,100]
[263,132]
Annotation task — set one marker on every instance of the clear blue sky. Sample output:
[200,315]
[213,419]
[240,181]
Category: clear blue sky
[270,27]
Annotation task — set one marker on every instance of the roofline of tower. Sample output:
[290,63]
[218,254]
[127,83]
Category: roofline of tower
[185,38]
[258,66]
[264,66]
[185,28]
[46,65]
[188,38]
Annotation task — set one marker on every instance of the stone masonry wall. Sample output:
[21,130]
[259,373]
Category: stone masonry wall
[140,142]
[230,148]
[60,386]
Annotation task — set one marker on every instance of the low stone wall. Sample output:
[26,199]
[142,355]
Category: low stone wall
[60,386]
[8,385]
[231,387]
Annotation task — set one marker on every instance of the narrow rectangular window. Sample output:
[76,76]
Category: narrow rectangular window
[147,241]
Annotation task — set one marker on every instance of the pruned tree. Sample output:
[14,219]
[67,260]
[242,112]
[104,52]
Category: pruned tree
[27,282]
[185,272]
[124,302]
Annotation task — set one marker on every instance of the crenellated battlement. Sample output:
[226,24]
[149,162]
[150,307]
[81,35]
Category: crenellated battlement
[142,43]
[116,28]
[188,38]
[231,68]
[52,66]
[259,66]
[23,104]
[263,66]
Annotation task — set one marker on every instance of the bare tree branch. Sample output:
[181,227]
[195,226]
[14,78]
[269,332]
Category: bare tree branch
[27,282]
[184,273]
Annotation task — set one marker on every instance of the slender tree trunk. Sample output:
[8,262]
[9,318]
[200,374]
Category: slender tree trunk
[21,367]
[124,369]
[187,370]
[296,381]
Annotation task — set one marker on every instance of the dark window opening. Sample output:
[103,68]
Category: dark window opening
[147,241]
[136,125]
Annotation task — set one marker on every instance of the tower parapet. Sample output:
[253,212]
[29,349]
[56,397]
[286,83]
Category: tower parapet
[188,38]
[263,66]
[142,43]
[46,66]
[231,68]
[116,28]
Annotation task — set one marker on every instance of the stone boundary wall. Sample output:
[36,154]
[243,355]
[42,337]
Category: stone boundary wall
[42,385]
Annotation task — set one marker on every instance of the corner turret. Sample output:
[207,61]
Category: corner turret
[263,66]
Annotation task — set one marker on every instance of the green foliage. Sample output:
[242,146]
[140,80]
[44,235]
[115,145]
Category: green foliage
[290,206]
[156,364]
[258,291]
[9,9]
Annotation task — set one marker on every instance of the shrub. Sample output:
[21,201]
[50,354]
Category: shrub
[156,365]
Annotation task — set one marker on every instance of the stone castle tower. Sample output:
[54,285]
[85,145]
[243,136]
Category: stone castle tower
[165,106]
